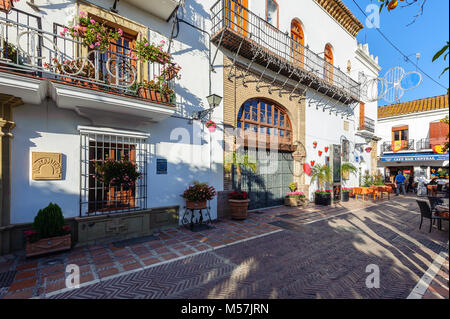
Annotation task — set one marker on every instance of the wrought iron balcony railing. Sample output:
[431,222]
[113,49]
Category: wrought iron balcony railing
[367,124]
[240,30]
[423,144]
[27,49]
[405,146]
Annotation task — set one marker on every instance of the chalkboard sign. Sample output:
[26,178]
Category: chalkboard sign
[161,166]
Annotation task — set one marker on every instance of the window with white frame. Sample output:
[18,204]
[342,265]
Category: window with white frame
[272,12]
[96,147]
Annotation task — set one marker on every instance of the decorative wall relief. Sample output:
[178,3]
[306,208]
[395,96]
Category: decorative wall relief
[46,166]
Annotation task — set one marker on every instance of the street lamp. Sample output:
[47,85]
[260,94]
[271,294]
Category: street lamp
[213,101]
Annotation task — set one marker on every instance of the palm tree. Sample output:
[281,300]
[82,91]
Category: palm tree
[321,173]
[347,169]
[240,160]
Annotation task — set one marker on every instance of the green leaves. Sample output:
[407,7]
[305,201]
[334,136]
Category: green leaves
[438,55]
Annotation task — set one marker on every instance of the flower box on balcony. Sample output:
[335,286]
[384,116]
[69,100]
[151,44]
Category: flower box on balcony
[153,95]
[48,245]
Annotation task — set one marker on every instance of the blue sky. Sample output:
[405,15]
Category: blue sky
[426,35]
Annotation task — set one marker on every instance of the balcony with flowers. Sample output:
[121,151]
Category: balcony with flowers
[88,67]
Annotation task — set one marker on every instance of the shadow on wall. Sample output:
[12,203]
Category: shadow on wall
[188,103]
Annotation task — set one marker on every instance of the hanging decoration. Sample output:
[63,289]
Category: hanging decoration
[307,169]
[211,126]
[312,163]
[326,149]
[320,153]
[368,149]
[314,144]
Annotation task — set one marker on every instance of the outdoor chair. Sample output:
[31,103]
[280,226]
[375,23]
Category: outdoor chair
[426,212]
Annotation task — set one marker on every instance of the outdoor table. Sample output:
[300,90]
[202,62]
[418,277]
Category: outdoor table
[379,190]
[362,191]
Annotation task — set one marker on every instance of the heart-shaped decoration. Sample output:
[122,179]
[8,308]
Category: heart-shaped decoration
[315,144]
[326,149]
[312,163]
[320,153]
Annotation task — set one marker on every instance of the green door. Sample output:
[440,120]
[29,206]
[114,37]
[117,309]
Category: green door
[268,185]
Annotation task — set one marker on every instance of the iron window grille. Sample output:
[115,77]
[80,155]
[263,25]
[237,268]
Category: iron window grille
[96,198]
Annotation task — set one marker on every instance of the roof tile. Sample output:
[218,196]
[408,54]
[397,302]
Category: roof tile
[416,106]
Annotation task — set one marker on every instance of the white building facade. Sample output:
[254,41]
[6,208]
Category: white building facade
[412,136]
[66,105]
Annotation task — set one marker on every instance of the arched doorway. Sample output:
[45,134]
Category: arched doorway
[298,43]
[328,67]
[268,185]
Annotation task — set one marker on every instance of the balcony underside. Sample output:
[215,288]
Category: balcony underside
[232,40]
[95,103]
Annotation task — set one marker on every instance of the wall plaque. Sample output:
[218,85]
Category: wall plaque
[161,166]
[46,166]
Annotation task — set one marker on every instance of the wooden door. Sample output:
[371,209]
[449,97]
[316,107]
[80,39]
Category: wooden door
[236,12]
[328,68]
[298,44]
[121,197]
[120,62]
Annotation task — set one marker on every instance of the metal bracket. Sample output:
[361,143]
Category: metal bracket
[234,60]
[217,51]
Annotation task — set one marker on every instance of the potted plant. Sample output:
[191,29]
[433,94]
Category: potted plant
[49,234]
[197,195]
[238,201]
[322,173]
[117,173]
[77,70]
[211,126]
[156,90]
[7,5]
[171,71]
[346,193]
[323,197]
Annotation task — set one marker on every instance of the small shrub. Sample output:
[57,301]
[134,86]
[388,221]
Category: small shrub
[49,222]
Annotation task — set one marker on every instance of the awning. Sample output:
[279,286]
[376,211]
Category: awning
[414,157]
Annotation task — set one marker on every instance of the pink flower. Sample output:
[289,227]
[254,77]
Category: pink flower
[82,13]
[92,21]
[163,42]
[97,44]
[62,34]
[120,31]
[91,46]
[146,44]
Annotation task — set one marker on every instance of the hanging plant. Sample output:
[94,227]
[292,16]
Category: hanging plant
[312,163]
[95,35]
[211,126]
[116,173]
[368,149]
[150,52]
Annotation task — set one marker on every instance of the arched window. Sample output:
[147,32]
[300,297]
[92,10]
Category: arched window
[298,43]
[328,67]
[272,12]
[265,118]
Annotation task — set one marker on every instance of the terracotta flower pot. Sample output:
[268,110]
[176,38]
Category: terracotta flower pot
[290,201]
[48,245]
[152,95]
[6,5]
[239,208]
[195,205]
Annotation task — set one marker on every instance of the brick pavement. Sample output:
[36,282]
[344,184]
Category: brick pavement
[106,264]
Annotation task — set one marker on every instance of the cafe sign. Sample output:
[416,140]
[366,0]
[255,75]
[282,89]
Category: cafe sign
[415,157]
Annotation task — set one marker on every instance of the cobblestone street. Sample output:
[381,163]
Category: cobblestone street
[316,252]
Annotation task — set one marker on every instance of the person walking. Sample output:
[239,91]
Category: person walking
[400,180]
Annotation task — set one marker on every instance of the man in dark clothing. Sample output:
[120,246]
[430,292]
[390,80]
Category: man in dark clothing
[400,183]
